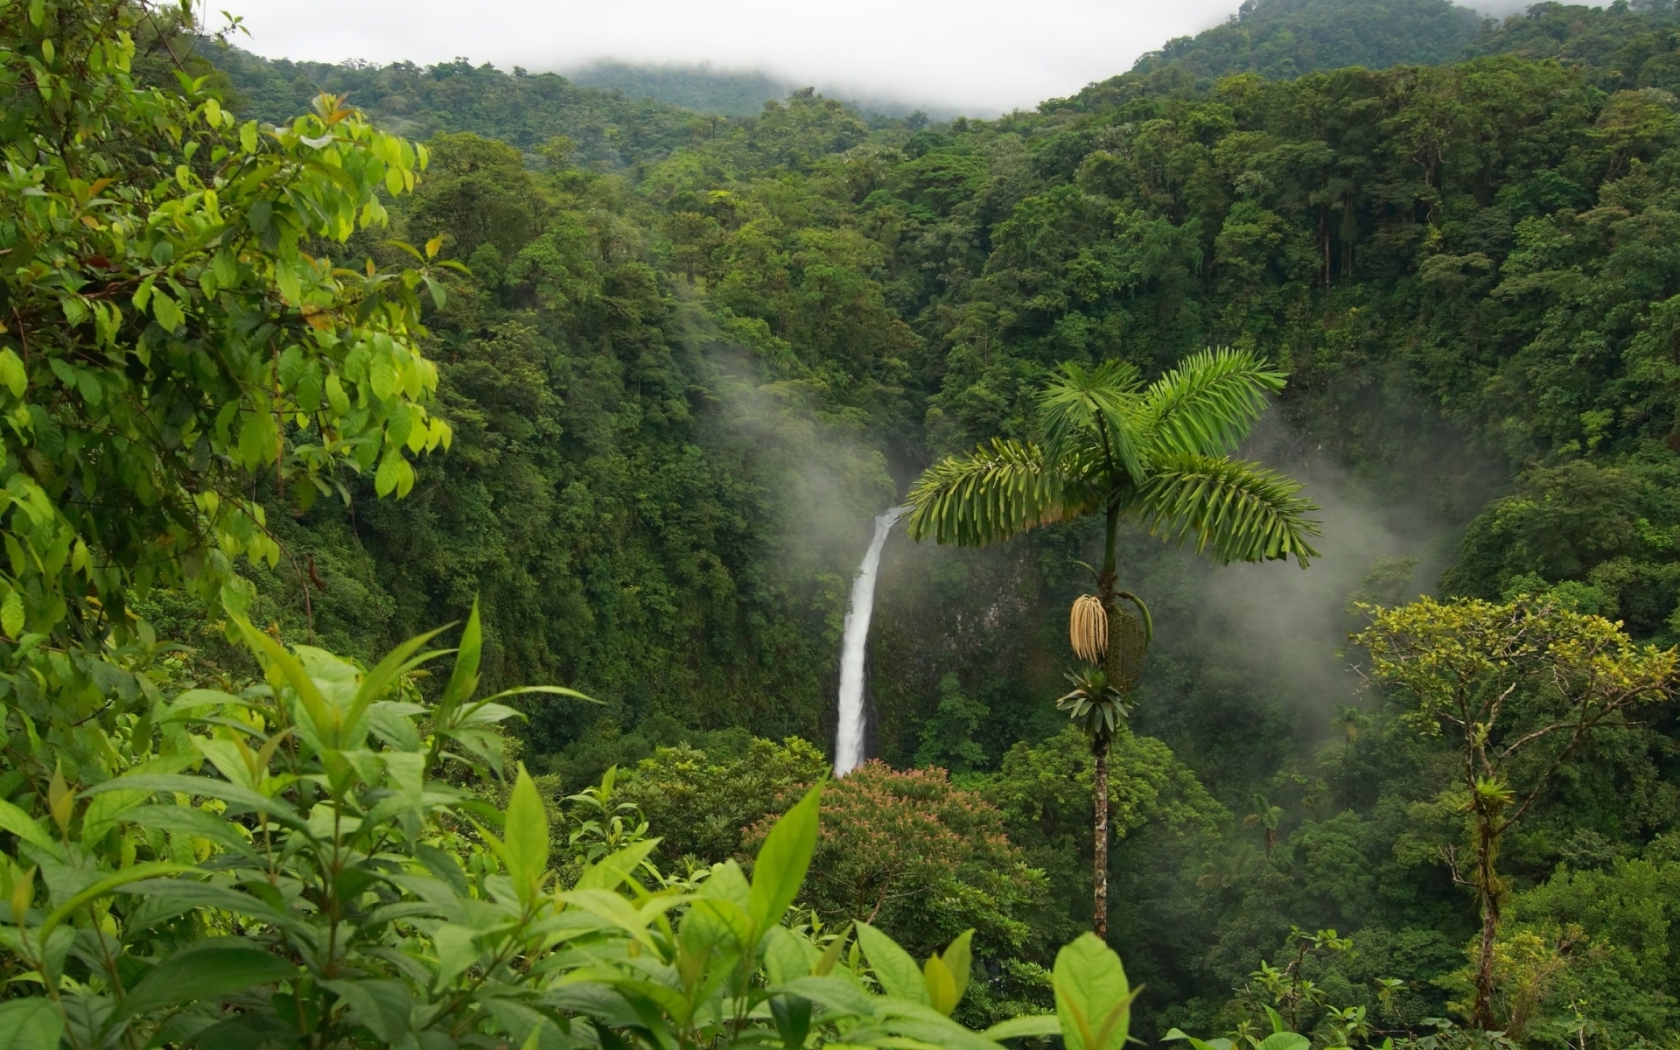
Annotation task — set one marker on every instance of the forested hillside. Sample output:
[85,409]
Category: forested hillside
[1286,38]
[607,128]
[683,361]
[729,93]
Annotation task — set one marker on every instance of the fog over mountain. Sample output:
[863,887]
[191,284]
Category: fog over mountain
[977,55]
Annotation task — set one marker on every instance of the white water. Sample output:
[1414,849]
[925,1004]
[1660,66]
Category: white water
[848,738]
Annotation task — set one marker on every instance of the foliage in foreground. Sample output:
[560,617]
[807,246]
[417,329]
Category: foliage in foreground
[288,866]
[922,287]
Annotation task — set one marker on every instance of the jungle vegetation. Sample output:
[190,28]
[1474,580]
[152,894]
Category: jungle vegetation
[616,388]
[728,93]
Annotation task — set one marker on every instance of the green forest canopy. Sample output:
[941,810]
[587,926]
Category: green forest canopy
[692,357]
[1464,267]
[729,93]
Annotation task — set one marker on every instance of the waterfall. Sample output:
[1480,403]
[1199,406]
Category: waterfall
[848,738]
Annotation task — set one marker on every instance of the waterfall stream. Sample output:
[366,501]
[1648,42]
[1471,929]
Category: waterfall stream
[848,737]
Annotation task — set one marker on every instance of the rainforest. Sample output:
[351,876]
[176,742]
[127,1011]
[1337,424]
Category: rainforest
[434,499]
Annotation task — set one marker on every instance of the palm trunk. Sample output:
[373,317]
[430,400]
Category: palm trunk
[1099,864]
[1100,742]
[1105,592]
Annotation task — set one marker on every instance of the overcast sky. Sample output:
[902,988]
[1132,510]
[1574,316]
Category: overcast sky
[976,55]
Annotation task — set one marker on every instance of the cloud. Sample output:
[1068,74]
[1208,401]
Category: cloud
[977,56]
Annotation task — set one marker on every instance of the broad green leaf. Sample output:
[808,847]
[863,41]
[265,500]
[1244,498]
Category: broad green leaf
[258,437]
[610,871]
[208,895]
[531,1029]
[714,925]
[1176,1035]
[455,952]
[525,842]
[294,675]
[228,759]
[898,973]
[959,956]
[831,955]
[105,810]
[109,884]
[398,662]
[385,478]
[394,474]
[1018,1027]
[240,1031]
[12,374]
[728,883]
[11,614]
[382,376]
[383,1006]
[1285,1041]
[792,1016]
[337,398]
[392,723]
[24,827]
[941,986]
[463,679]
[783,861]
[238,798]
[836,994]
[786,956]
[195,699]
[1093,999]
[208,970]
[921,1022]
[168,314]
[30,1024]
[613,908]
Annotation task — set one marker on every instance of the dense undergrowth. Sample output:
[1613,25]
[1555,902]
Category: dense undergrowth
[683,361]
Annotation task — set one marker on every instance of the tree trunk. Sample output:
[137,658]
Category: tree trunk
[1106,581]
[1482,1015]
[1099,743]
[1487,890]
[1099,864]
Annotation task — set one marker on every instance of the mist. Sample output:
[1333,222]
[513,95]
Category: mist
[1283,630]
[1289,626]
[831,484]
[981,57]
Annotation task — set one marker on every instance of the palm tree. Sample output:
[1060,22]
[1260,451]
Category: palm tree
[1157,455]
[1265,815]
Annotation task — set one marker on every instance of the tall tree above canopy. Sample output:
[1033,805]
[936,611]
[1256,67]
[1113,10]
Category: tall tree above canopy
[1516,689]
[1157,454]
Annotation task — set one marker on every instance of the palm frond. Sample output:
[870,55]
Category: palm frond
[1236,510]
[1207,404]
[1100,405]
[993,493]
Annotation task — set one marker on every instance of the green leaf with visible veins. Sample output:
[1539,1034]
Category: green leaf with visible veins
[204,971]
[783,860]
[1093,999]
[525,838]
